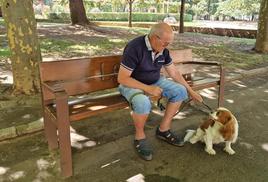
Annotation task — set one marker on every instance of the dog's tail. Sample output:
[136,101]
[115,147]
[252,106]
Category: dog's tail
[189,135]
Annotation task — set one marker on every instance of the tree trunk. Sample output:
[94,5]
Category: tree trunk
[209,4]
[130,2]
[78,13]
[262,35]
[23,44]
[182,17]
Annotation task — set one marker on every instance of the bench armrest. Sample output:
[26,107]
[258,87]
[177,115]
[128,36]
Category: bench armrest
[54,86]
[212,63]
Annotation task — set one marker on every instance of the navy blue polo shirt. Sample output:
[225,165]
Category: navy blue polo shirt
[138,57]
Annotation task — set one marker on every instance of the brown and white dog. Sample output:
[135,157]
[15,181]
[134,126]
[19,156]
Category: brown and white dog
[221,126]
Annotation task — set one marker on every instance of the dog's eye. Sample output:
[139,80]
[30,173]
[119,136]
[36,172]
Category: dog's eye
[217,113]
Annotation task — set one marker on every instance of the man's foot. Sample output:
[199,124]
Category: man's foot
[143,149]
[169,137]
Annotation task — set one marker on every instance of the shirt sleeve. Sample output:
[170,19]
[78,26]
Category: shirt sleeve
[130,58]
[168,59]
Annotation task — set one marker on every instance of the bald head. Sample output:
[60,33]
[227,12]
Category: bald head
[160,29]
[160,36]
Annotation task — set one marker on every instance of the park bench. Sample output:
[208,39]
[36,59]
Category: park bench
[62,81]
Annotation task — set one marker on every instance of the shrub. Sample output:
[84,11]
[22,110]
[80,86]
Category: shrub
[138,17]
[116,16]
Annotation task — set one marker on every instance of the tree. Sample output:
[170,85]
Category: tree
[23,43]
[200,8]
[130,2]
[182,16]
[78,13]
[262,35]
[117,5]
[238,8]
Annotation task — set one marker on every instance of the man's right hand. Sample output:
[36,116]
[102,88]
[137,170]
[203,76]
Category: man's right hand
[154,90]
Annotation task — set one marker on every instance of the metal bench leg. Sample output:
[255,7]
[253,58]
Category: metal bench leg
[221,87]
[50,130]
[64,134]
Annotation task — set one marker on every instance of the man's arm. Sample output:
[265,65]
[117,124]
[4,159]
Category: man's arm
[177,77]
[124,78]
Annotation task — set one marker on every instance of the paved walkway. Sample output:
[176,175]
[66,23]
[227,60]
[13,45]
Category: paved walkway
[228,24]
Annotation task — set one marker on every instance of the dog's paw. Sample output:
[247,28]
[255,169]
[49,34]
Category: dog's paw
[229,150]
[210,151]
[189,135]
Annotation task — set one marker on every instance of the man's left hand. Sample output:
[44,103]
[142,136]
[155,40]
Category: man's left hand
[196,97]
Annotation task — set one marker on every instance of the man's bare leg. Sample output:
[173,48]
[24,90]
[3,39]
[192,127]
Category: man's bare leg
[139,123]
[171,109]
[163,132]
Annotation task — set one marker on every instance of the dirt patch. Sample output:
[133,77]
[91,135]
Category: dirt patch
[81,33]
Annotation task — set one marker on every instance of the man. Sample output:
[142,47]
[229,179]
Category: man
[139,76]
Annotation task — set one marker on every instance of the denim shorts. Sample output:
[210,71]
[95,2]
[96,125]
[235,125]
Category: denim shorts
[141,103]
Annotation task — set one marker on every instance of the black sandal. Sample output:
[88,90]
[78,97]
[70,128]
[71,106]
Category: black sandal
[169,137]
[143,149]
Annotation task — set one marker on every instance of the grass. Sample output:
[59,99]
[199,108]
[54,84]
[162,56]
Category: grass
[230,57]
[4,52]
[2,23]
[233,52]
[70,48]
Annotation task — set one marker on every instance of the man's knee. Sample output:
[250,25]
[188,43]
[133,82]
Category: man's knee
[141,104]
[179,94]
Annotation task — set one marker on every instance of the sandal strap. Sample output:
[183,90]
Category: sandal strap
[169,137]
[143,146]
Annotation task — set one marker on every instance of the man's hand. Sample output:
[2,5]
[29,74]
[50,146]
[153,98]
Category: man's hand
[154,90]
[196,96]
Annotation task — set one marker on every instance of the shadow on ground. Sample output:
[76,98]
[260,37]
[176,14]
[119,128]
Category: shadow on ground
[114,159]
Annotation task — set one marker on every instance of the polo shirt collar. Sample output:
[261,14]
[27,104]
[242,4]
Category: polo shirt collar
[148,45]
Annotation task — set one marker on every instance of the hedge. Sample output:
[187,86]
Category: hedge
[114,16]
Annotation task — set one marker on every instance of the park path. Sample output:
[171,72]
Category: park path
[114,159]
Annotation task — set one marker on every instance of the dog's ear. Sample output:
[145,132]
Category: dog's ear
[227,119]
[228,130]
[224,117]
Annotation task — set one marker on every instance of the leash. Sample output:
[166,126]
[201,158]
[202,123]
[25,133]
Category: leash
[209,108]
[162,107]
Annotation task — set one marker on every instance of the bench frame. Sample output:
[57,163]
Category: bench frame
[60,80]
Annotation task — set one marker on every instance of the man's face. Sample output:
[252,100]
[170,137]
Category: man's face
[161,42]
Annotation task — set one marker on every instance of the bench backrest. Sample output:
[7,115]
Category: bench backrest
[179,56]
[85,75]
[79,76]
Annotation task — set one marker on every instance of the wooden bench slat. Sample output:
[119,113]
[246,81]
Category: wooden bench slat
[76,69]
[90,107]
[84,86]
[205,83]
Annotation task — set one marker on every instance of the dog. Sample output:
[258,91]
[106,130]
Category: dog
[220,126]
